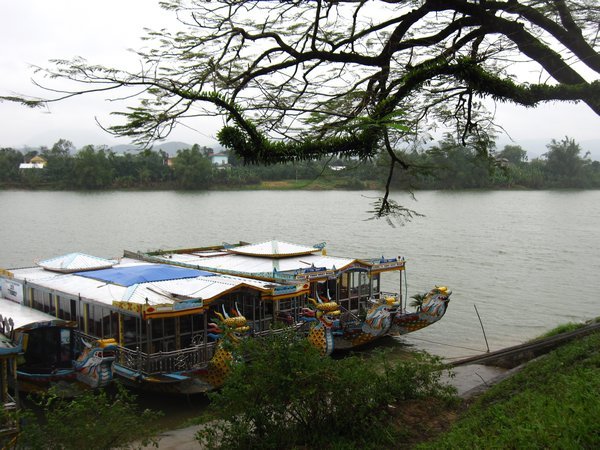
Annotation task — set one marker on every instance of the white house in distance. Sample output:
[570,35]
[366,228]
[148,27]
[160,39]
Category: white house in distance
[219,159]
[37,162]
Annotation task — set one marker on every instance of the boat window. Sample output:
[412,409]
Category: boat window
[191,330]
[321,288]
[73,309]
[64,308]
[110,323]
[359,283]
[344,286]
[65,346]
[289,310]
[375,282]
[163,335]
[332,286]
[130,331]
[51,305]
[363,284]
[266,316]
[48,348]
[94,320]
[37,299]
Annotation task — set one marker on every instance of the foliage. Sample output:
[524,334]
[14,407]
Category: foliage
[417,301]
[304,80]
[92,169]
[288,396]
[551,403]
[449,164]
[59,168]
[192,169]
[512,154]
[563,162]
[9,165]
[563,328]
[93,420]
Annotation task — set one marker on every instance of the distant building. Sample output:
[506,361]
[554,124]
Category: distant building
[37,162]
[219,159]
[31,166]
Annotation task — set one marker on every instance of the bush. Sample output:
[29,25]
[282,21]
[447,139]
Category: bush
[92,420]
[287,395]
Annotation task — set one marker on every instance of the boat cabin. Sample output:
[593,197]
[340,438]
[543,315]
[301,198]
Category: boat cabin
[351,282]
[159,315]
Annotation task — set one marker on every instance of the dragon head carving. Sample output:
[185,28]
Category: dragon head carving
[94,364]
[432,309]
[436,302]
[234,326]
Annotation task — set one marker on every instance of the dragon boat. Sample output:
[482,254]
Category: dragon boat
[344,306]
[52,354]
[155,327]
[9,395]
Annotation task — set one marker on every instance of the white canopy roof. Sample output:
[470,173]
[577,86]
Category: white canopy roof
[76,262]
[158,292]
[21,315]
[172,291]
[274,249]
[245,264]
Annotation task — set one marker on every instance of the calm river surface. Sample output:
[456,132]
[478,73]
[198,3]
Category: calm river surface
[528,260]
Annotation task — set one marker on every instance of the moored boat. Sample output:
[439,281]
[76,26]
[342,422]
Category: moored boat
[162,324]
[345,301]
[51,353]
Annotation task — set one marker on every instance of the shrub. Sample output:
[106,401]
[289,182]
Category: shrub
[287,395]
[92,420]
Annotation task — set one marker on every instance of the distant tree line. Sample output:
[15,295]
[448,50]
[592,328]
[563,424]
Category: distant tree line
[446,165]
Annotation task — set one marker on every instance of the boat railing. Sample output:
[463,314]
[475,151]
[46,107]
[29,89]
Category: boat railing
[272,331]
[348,316]
[181,360]
[385,294]
[166,362]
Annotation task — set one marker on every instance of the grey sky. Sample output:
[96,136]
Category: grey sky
[34,31]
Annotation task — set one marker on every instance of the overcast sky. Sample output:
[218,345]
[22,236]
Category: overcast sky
[34,31]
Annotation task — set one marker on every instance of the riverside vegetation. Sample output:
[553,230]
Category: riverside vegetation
[447,165]
[288,396]
[298,400]
[552,403]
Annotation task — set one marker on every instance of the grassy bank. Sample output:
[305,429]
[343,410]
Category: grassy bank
[322,183]
[552,403]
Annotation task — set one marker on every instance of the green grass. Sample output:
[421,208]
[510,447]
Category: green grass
[563,328]
[553,403]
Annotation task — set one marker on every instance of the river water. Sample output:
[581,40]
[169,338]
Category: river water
[529,260]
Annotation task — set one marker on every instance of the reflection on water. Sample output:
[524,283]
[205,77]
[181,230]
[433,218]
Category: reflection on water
[528,260]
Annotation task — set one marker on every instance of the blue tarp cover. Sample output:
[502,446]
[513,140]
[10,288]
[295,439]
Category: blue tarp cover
[128,276]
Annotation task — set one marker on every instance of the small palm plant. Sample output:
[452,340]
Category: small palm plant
[418,301]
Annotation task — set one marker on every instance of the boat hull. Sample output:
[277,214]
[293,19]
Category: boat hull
[169,383]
